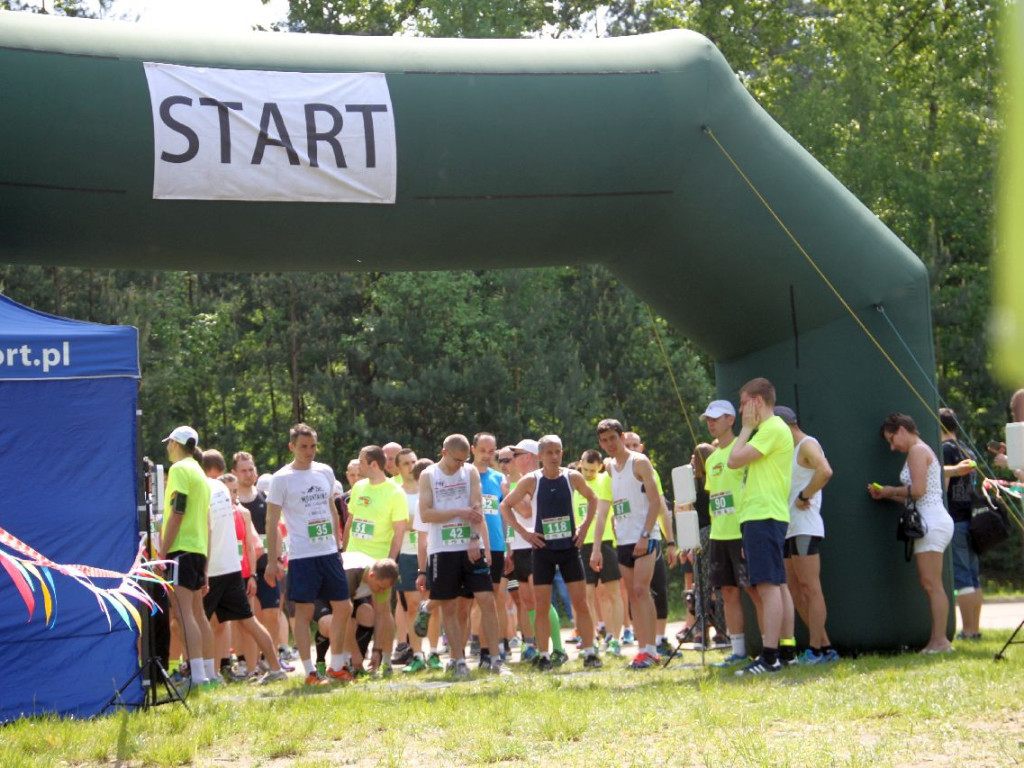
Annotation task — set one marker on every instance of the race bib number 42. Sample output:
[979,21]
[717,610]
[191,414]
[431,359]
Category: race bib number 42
[455,535]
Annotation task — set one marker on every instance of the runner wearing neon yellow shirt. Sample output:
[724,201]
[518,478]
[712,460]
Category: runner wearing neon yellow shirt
[378,517]
[602,586]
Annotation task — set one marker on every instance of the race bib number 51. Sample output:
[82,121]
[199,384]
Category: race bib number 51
[362,529]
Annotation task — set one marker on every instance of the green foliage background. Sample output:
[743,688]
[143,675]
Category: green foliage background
[898,100]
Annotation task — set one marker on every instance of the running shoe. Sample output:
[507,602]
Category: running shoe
[273,676]
[628,638]
[593,661]
[810,657]
[544,664]
[434,663]
[686,635]
[831,656]
[614,648]
[529,653]
[403,655]
[731,661]
[422,621]
[474,646]
[461,670]
[343,675]
[664,648]
[514,642]
[497,667]
[384,670]
[575,640]
[642,661]
[558,658]
[759,667]
[315,678]
[965,636]
[416,665]
[285,665]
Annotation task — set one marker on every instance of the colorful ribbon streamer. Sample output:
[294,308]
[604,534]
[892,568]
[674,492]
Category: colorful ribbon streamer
[29,569]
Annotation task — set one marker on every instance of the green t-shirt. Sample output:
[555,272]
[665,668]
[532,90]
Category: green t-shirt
[723,486]
[602,488]
[766,482]
[375,509]
[187,478]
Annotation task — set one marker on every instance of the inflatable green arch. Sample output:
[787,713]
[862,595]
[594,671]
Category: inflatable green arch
[640,153]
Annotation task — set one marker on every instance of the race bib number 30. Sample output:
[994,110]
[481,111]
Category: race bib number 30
[555,528]
[320,531]
[722,504]
[621,507]
[455,535]
[362,529]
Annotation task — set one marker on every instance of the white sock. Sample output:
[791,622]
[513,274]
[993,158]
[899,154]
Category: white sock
[198,669]
[209,669]
[546,655]
[650,650]
[658,639]
[418,656]
[307,665]
[739,644]
[588,651]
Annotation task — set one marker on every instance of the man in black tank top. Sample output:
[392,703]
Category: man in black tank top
[556,543]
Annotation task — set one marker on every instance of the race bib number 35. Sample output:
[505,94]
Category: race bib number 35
[455,535]
[555,528]
[321,530]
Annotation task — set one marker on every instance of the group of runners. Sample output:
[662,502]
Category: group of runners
[415,548]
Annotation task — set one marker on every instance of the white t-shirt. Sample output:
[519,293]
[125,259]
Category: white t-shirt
[223,541]
[409,543]
[450,492]
[305,498]
[804,522]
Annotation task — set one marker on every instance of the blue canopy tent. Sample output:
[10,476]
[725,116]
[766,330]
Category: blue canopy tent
[68,489]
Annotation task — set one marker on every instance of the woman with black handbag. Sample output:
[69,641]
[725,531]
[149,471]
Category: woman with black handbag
[958,467]
[921,480]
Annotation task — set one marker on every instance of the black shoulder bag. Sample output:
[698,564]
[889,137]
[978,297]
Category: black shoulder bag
[910,527]
[990,525]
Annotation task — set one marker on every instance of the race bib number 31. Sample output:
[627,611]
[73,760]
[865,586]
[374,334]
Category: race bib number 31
[555,528]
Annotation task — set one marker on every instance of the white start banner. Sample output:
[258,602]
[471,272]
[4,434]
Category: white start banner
[230,134]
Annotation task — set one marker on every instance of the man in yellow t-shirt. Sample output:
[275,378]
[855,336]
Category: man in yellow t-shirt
[603,585]
[727,565]
[378,516]
[184,538]
[767,458]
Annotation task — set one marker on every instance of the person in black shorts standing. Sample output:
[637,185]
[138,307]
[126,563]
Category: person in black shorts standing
[556,541]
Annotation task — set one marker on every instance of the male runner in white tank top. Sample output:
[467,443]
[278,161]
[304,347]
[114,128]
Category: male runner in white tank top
[451,504]
[636,505]
[811,473]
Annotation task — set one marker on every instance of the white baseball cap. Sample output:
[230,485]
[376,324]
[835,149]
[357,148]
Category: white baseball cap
[528,445]
[718,408]
[183,435]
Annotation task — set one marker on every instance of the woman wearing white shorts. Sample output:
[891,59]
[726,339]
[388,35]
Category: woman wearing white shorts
[921,477]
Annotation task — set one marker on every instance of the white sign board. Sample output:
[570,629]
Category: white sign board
[229,134]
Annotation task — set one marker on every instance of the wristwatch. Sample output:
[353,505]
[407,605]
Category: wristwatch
[802,497]
[474,537]
[645,534]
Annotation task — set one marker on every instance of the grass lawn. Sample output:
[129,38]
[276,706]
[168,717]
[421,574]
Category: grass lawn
[955,709]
